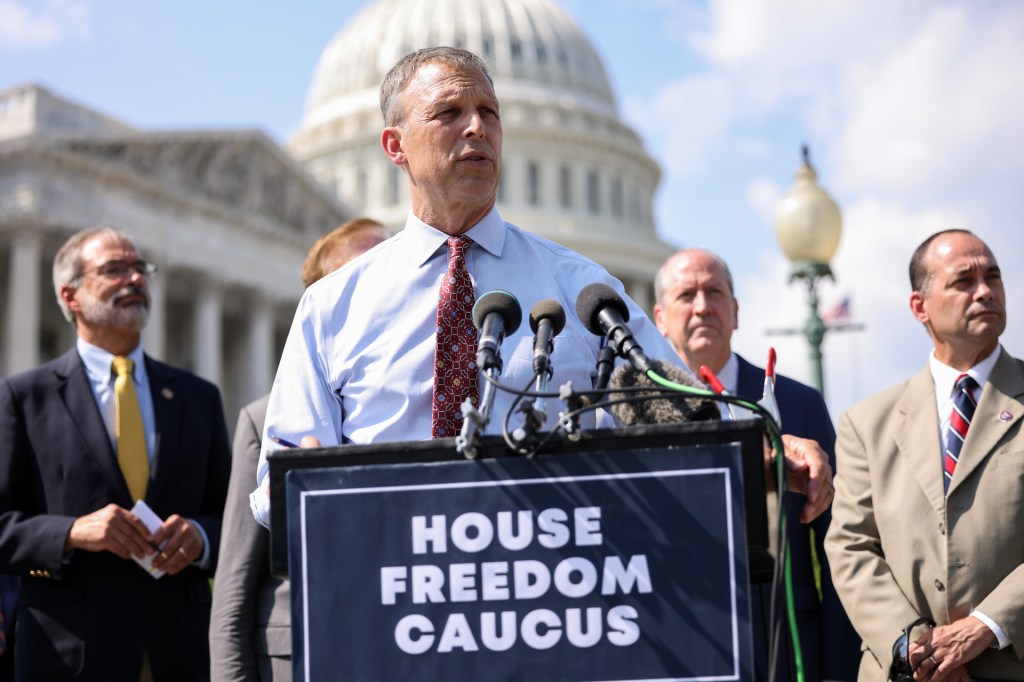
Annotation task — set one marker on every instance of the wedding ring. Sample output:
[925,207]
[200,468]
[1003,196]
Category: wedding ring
[932,659]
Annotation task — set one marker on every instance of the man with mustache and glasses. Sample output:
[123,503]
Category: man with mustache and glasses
[382,349]
[927,526]
[82,439]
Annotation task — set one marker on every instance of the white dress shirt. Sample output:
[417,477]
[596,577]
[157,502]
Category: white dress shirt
[358,363]
[944,378]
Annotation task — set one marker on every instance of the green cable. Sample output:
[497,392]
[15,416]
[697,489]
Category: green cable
[776,439]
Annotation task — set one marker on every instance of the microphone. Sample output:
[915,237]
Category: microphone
[605,365]
[678,408]
[604,313]
[495,314]
[547,320]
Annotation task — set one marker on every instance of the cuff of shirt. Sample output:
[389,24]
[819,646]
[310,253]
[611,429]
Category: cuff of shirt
[259,503]
[1001,637]
[204,559]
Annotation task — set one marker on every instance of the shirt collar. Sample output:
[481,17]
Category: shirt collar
[425,241]
[730,374]
[97,362]
[945,376]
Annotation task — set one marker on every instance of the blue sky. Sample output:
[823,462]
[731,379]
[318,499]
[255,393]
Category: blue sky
[913,112]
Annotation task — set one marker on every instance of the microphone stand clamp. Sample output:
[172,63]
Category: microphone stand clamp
[569,421]
[473,422]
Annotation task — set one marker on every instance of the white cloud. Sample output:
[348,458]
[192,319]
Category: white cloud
[687,118]
[41,24]
[940,112]
[764,196]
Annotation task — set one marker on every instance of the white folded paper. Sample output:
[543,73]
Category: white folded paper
[153,523]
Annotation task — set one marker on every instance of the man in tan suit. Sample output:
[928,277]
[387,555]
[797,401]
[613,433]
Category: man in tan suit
[923,526]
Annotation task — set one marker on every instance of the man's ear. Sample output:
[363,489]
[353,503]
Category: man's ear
[917,307]
[659,314]
[391,141]
[67,294]
[736,314]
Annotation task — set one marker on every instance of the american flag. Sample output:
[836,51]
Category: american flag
[840,312]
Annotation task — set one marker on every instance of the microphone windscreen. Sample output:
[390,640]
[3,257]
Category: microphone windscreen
[501,302]
[675,410]
[551,310]
[592,300]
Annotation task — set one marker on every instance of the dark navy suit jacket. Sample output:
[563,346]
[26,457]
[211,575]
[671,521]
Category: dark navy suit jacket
[89,615]
[831,647]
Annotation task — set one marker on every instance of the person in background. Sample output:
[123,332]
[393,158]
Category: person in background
[250,627]
[927,526]
[83,439]
[697,311]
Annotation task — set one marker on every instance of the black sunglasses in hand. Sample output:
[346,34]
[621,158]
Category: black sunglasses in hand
[901,670]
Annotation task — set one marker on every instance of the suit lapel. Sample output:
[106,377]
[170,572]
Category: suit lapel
[76,394]
[1000,397]
[167,407]
[917,437]
[749,380]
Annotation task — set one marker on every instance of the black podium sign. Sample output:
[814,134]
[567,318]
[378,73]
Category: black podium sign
[617,565]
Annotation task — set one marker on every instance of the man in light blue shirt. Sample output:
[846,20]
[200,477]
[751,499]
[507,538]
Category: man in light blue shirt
[358,365]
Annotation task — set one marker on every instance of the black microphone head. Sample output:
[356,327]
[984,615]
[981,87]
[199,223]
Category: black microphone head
[501,302]
[551,310]
[677,409]
[592,300]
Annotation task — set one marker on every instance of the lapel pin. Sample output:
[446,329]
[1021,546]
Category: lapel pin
[1005,416]
[168,394]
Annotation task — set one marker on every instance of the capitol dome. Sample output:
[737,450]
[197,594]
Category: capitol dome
[572,170]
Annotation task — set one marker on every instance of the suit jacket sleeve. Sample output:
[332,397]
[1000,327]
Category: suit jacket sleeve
[218,464]
[27,541]
[854,548]
[244,559]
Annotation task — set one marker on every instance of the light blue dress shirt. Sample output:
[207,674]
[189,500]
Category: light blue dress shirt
[98,368]
[358,363]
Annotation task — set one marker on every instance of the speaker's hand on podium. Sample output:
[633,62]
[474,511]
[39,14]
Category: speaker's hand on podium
[807,472]
[306,442]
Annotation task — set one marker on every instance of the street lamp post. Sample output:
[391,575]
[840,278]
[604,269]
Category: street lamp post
[808,226]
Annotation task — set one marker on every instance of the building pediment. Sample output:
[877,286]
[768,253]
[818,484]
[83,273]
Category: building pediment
[239,170]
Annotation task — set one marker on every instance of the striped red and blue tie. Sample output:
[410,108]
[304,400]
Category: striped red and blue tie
[959,421]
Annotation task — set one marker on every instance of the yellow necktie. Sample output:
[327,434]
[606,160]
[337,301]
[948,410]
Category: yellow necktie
[131,438]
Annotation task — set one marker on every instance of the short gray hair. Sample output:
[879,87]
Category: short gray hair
[67,264]
[401,73]
[661,279]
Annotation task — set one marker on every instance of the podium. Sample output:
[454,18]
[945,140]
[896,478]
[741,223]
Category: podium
[624,555]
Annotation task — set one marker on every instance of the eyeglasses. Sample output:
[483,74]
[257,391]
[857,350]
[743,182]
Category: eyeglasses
[119,269]
[901,670]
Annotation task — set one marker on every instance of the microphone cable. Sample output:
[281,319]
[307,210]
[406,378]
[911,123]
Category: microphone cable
[783,574]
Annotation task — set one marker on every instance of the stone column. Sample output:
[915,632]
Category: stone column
[154,335]
[640,291]
[259,353]
[207,331]
[23,291]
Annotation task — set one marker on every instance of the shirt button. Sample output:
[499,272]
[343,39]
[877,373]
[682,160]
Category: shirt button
[939,586]
[942,528]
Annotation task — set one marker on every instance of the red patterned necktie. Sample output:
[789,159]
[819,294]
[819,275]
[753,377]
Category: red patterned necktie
[959,421]
[455,370]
